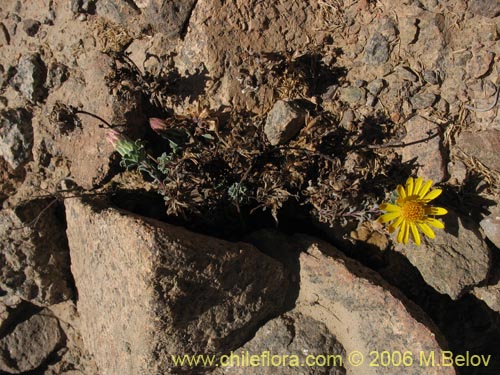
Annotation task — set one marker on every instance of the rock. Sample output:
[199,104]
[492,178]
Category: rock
[490,295]
[30,78]
[406,74]
[283,122]
[486,8]
[58,74]
[423,100]
[34,262]
[483,146]
[30,344]
[491,225]
[16,136]
[4,36]
[297,336]
[352,95]
[457,171]
[31,27]
[362,310]
[120,12]
[430,76]
[76,6]
[376,86]
[480,63]
[148,289]
[90,166]
[169,17]
[427,152]
[377,49]
[453,262]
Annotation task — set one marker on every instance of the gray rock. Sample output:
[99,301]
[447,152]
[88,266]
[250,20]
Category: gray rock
[480,63]
[423,100]
[371,100]
[76,6]
[406,74]
[377,49]
[30,344]
[491,225]
[453,262]
[31,27]
[483,145]
[149,289]
[121,12]
[30,78]
[297,336]
[430,76]
[424,146]
[58,74]
[16,136]
[34,262]
[486,8]
[363,311]
[376,86]
[169,17]
[352,95]
[283,122]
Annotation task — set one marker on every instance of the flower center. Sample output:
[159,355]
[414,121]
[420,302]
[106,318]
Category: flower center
[413,211]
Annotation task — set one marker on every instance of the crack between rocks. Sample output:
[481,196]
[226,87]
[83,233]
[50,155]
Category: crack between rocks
[185,25]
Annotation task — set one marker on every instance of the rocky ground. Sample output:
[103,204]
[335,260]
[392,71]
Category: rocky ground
[297,119]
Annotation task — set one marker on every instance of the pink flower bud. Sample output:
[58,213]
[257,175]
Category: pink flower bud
[112,136]
[157,124]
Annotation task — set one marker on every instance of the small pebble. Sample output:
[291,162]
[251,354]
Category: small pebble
[375,86]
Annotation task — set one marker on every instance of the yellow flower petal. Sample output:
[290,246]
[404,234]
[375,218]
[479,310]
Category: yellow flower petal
[418,185]
[433,194]
[390,207]
[389,217]
[409,186]
[401,232]
[396,224]
[401,192]
[434,222]
[407,233]
[415,234]
[435,211]
[425,189]
[426,230]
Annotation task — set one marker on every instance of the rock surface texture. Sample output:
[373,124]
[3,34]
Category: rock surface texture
[454,261]
[361,310]
[148,289]
[30,344]
[34,262]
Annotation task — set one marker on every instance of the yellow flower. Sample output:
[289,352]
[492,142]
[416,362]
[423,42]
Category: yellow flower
[412,212]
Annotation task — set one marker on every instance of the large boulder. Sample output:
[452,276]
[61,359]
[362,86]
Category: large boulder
[365,313]
[148,289]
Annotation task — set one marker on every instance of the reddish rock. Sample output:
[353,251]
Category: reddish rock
[483,145]
[423,139]
[83,143]
[356,305]
[147,289]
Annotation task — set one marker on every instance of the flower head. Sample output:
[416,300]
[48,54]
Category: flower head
[412,211]
[132,153]
[157,124]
